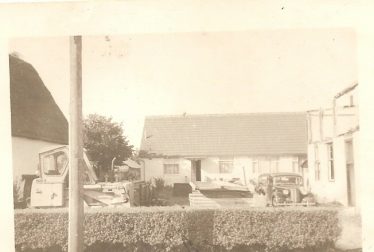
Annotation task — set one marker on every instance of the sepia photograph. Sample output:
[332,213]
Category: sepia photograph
[226,140]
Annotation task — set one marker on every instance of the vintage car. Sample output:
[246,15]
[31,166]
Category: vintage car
[287,189]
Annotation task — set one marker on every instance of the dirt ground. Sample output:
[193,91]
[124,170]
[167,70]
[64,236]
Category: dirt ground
[171,200]
[351,239]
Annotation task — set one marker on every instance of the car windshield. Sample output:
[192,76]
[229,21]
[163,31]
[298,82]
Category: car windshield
[288,180]
[55,164]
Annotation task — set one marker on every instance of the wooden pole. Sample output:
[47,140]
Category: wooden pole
[321,124]
[334,117]
[245,177]
[76,213]
[309,126]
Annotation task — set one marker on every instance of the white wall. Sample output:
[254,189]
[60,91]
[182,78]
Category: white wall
[358,174]
[336,190]
[25,155]
[154,168]
[210,168]
[346,118]
[324,189]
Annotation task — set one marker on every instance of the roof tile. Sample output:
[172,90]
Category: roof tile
[226,134]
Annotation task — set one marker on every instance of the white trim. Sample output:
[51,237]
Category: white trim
[330,160]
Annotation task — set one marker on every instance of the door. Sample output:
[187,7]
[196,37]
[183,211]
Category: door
[195,170]
[45,194]
[198,170]
[351,190]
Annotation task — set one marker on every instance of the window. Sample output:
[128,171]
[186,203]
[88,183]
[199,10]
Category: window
[171,168]
[330,159]
[55,163]
[274,165]
[288,180]
[226,166]
[316,163]
[264,165]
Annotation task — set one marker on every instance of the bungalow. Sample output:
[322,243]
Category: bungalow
[188,148]
[333,141]
[36,120]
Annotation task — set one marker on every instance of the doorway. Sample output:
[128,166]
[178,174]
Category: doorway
[351,190]
[196,170]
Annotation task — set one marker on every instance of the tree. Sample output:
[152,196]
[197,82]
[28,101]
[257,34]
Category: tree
[103,141]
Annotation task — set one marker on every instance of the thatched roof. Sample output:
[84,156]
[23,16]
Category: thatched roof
[35,113]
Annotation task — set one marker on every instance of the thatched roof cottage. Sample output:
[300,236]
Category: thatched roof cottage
[37,121]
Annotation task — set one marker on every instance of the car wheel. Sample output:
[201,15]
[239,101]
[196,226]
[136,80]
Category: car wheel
[28,202]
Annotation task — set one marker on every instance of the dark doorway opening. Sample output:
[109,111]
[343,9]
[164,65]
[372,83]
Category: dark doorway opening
[351,192]
[198,170]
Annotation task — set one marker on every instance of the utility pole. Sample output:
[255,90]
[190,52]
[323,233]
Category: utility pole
[76,212]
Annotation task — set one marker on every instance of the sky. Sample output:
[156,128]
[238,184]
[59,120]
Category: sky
[129,77]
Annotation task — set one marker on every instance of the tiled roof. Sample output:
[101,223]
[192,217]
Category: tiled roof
[34,112]
[226,134]
[131,163]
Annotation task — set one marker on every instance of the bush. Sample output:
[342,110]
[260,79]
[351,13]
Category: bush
[16,193]
[18,199]
[176,229]
[159,184]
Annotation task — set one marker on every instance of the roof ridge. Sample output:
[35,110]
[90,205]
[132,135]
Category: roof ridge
[223,114]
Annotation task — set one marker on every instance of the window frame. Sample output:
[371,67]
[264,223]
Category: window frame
[274,164]
[317,163]
[52,157]
[295,165]
[174,165]
[331,162]
[225,161]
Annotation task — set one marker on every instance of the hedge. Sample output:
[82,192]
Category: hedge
[171,229]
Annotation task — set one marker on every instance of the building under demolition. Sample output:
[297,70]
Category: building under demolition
[333,147]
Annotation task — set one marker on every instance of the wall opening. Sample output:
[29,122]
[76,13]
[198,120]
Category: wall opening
[351,192]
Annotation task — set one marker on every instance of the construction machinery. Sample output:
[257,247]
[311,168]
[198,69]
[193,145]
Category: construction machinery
[51,187]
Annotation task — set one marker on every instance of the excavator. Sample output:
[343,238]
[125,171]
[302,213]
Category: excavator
[51,188]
